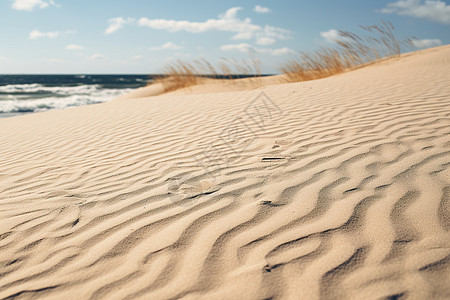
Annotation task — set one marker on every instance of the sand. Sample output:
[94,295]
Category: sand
[335,188]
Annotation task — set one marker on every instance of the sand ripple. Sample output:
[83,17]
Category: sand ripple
[342,193]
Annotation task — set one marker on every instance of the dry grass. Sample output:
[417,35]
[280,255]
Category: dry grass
[180,74]
[351,51]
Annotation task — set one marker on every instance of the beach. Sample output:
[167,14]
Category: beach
[336,188]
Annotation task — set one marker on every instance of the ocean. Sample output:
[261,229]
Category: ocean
[24,94]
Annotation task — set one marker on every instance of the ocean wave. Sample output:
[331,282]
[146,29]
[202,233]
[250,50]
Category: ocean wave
[39,88]
[18,105]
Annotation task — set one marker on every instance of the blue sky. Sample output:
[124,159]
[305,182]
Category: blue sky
[141,36]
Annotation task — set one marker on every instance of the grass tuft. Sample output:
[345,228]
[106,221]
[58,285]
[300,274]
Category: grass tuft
[351,51]
[180,74]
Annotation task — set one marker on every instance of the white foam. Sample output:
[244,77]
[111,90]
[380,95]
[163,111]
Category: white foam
[62,90]
[77,97]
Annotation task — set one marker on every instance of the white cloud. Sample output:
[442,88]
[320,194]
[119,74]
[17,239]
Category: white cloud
[261,9]
[275,52]
[228,22]
[137,57]
[35,34]
[243,35]
[247,48]
[74,47]
[168,45]
[331,36]
[97,57]
[425,43]
[265,41]
[433,10]
[275,32]
[117,23]
[225,22]
[29,5]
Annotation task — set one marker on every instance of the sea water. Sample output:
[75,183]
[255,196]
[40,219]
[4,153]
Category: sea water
[24,94]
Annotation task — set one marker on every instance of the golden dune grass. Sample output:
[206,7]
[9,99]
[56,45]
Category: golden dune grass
[351,51]
[180,74]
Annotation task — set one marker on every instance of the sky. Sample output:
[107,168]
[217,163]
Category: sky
[142,36]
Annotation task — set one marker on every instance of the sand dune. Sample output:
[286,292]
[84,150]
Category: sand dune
[336,188]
